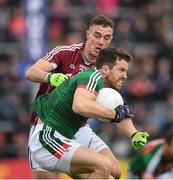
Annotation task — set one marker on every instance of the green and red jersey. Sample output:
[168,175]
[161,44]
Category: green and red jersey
[55,109]
[151,161]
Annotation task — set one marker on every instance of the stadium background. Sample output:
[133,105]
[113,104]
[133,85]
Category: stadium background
[28,29]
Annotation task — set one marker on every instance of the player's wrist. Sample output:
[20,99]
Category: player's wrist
[133,135]
[122,112]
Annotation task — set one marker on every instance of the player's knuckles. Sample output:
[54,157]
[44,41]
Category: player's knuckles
[135,143]
[141,143]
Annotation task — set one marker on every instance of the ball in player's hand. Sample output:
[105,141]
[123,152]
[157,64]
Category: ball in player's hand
[109,98]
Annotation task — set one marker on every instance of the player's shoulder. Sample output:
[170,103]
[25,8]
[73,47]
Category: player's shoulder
[92,73]
[70,48]
[64,51]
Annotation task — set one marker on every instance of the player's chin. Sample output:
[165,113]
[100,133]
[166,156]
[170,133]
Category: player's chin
[117,87]
[96,53]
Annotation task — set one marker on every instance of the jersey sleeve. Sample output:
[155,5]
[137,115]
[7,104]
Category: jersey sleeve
[58,56]
[90,81]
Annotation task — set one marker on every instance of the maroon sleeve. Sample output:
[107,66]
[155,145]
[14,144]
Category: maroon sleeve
[57,55]
[64,57]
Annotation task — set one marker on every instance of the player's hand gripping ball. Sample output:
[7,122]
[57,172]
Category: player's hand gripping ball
[109,98]
[122,112]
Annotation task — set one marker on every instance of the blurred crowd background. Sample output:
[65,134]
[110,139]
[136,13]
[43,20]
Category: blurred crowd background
[145,28]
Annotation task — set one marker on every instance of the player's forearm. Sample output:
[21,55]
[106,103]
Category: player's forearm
[38,71]
[127,127]
[92,109]
[36,75]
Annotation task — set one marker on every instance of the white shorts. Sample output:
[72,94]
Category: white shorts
[85,136]
[51,150]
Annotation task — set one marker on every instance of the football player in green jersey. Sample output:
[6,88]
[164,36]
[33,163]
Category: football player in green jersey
[155,161]
[70,60]
[67,108]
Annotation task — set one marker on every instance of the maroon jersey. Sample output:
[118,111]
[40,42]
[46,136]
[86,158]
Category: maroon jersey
[68,60]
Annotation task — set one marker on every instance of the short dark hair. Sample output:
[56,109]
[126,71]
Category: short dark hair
[110,55]
[102,20]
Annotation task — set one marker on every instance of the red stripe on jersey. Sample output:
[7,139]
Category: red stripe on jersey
[84,87]
[57,155]
[152,144]
[64,147]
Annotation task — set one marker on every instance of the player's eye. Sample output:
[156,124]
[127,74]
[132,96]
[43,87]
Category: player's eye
[107,38]
[97,36]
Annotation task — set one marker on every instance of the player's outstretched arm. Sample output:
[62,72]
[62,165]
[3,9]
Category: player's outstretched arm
[38,71]
[138,139]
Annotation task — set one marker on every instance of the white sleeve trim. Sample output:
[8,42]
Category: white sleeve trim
[54,65]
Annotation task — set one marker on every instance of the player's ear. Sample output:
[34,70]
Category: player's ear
[105,69]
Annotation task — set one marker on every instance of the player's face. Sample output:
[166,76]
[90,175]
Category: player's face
[117,74]
[98,37]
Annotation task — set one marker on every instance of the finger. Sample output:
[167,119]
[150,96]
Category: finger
[136,145]
[141,143]
[146,134]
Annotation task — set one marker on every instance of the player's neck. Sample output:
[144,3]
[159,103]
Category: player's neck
[88,59]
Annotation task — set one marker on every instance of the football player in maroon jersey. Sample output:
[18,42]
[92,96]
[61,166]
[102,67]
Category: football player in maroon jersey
[65,61]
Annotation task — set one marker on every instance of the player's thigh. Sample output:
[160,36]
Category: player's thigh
[86,161]
[43,175]
[115,164]
[95,143]
[86,137]
[99,146]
